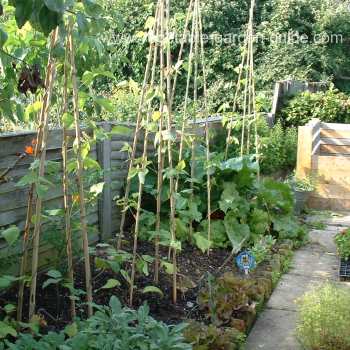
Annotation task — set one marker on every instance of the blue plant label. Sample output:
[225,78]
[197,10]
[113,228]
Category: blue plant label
[246,261]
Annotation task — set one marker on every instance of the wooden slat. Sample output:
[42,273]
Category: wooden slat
[335,149]
[329,204]
[13,143]
[332,191]
[338,162]
[330,141]
[8,161]
[18,199]
[331,176]
[336,134]
[335,126]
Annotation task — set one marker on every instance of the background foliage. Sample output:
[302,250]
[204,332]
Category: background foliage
[112,49]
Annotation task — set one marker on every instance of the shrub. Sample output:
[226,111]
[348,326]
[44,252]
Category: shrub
[278,149]
[324,318]
[329,106]
[342,240]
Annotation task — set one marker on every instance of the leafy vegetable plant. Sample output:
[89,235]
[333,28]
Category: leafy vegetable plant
[111,327]
[342,240]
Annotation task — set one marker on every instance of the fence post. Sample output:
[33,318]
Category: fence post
[105,203]
[308,145]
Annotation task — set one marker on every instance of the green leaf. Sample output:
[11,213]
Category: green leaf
[121,130]
[48,20]
[85,149]
[259,221]
[181,165]
[235,164]
[6,281]
[92,8]
[229,197]
[111,283]
[142,176]
[83,24]
[97,188]
[41,190]
[55,212]
[169,268]
[55,5]
[71,330]
[50,281]
[126,276]
[67,120]
[175,245]
[236,232]
[9,308]
[152,289]
[24,9]
[201,242]
[90,163]
[3,37]
[193,211]
[105,103]
[115,305]
[27,179]
[11,234]
[54,274]
[88,78]
[101,263]
[126,148]
[6,330]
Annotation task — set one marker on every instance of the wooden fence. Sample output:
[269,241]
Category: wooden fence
[324,153]
[13,199]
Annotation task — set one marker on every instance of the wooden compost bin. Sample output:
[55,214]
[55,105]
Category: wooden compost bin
[324,152]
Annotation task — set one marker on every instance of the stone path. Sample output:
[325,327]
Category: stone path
[312,265]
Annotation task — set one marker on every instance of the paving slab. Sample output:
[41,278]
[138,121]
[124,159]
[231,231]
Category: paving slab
[273,331]
[315,262]
[325,238]
[312,266]
[289,290]
[343,221]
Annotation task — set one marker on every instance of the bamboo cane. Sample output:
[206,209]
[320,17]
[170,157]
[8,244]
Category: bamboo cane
[235,99]
[185,116]
[80,169]
[135,141]
[170,156]
[207,136]
[182,45]
[141,184]
[66,201]
[42,157]
[38,145]
[244,108]
[160,163]
[195,98]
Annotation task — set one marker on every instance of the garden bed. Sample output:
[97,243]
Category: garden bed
[222,315]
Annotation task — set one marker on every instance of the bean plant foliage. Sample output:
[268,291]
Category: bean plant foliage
[24,30]
[111,327]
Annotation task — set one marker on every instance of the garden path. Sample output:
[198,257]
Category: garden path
[312,265]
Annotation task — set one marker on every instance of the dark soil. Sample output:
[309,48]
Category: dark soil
[53,302]
[194,269]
